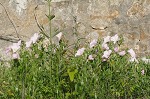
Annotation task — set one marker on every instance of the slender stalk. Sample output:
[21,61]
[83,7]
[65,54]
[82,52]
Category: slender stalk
[23,89]
[50,24]
[59,57]
[49,14]
[23,82]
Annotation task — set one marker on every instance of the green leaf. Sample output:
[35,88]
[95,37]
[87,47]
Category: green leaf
[50,17]
[67,95]
[71,74]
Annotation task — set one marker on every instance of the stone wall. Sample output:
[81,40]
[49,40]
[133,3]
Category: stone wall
[130,18]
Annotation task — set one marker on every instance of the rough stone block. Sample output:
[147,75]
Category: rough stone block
[130,18]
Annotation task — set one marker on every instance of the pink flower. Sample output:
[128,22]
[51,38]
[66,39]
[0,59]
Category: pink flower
[116,49]
[16,46]
[33,40]
[19,42]
[93,43]
[115,38]
[28,44]
[142,72]
[122,53]
[59,35]
[15,56]
[106,39]
[105,46]
[79,52]
[8,49]
[132,53]
[35,37]
[133,56]
[90,57]
[106,54]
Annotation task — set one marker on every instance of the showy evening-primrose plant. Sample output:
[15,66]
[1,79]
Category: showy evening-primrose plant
[97,70]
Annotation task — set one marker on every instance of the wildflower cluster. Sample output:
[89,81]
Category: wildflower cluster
[15,47]
[32,40]
[107,50]
[43,69]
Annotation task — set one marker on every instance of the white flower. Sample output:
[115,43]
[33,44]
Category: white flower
[33,40]
[105,46]
[15,56]
[106,54]
[115,38]
[46,42]
[15,46]
[107,39]
[36,56]
[142,72]
[93,43]
[122,53]
[144,59]
[132,53]
[79,52]
[133,56]
[19,42]
[133,59]
[8,49]
[104,60]
[35,37]
[59,35]
[116,49]
[28,44]
[90,57]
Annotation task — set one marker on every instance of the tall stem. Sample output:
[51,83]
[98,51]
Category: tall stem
[23,82]
[50,34]
[50,24]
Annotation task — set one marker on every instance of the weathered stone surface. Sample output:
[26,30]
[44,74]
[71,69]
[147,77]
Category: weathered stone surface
[131,18]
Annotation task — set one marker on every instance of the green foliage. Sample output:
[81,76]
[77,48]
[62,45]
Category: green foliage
[53,74]
[50,17]
[71,74]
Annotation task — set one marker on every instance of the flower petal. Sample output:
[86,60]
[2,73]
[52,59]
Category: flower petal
[115,38]
[35,37]
[93,43]
[105,46]
[28,44]
[116,49]
[142,72]
[15,46]
[107,39]
[133,59]
[59,35]
[122,53]
[15,56]
[79,52]
[106,54]
[90,57]
[132,53]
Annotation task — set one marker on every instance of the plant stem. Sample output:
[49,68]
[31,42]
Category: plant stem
[50,24]
[23,82]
